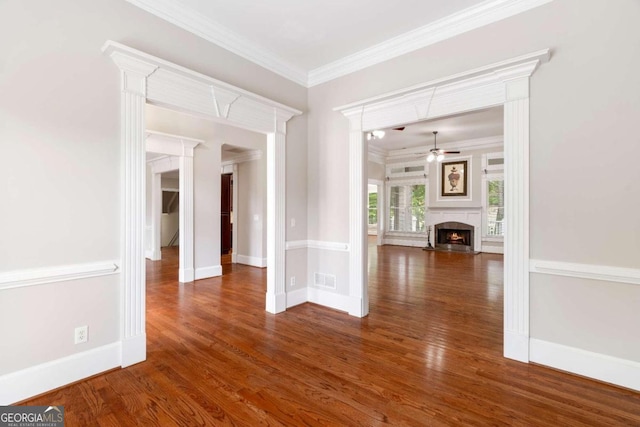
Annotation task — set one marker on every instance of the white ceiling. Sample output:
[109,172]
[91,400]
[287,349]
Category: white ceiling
[311,42]
[312,33]
[476,125]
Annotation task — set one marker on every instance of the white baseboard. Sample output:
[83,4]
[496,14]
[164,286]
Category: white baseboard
[622,372]
[134,350]
[297,297]
[329,299]
[252,261]
[492,249]
[405,242]
[516,346]
[21,385]
[186,275]
[152,255]
[206,272]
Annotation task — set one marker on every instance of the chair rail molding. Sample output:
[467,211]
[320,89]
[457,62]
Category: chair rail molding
[149,79]
[603,273]
[503,83]
[62,273]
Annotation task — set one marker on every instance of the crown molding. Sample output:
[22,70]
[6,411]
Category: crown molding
[244,157]
[450,26]
[468,144]
[202,26]
[468,19]
[377,155]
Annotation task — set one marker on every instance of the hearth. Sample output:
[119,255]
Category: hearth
[454,236]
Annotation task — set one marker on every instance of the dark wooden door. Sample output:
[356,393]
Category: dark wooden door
[226,207]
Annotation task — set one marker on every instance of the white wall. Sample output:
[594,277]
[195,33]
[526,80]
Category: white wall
[250,213]
[580,100]
[169,224]
[60,161]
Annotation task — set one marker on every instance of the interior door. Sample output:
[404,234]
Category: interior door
[226,208]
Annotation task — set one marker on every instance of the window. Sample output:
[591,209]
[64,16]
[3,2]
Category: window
[407,208]
[373,208]
[495,207]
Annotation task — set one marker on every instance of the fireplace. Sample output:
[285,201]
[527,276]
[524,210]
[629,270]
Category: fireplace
[454,236]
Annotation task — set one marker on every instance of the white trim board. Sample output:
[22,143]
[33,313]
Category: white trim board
[21,385]
[41,276]
[622,372]
[468,19]
[329,299]
[207,272]
[252,261]
[504,83]
[317,244]
[586,271]
[297,297]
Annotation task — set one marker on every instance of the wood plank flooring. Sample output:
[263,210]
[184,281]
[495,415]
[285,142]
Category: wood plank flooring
[429,354]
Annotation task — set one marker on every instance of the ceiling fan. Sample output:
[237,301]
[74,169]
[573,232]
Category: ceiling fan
[436,153]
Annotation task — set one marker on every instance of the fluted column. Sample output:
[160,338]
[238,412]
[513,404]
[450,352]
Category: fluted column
[276,167]
[186,271]
[358,278]
[516,203]
[133,74]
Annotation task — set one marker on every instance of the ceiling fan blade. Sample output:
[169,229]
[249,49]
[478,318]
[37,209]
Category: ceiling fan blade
[450,152]
[401,128]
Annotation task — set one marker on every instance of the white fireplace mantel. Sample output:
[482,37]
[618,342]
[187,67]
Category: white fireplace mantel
[469,216]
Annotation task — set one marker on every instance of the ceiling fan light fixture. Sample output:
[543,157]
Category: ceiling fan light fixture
[375,134]
[430,157]
[440,157]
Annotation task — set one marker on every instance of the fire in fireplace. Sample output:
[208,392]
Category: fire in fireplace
[454,236]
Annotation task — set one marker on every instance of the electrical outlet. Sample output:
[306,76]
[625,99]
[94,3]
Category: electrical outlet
[82,334]
[293,280]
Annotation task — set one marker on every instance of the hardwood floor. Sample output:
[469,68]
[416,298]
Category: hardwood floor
[430,353]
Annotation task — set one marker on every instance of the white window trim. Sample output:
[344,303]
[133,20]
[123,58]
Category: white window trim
[486,177]
[404,182]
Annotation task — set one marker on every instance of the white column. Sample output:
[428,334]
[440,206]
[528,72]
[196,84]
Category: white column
[234,230]
[516,202]
[133,98]
[186,270]
[358,190]
[276,301]
[156,216]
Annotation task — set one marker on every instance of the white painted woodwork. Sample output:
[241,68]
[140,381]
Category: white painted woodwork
[186,270]
[503,83]
[622,372]
[145,78]
[317,244]
[276,280]
[179,151]
[605,273]
[208,27]
[156,216]
[133,75]
[62,273]
[358,223]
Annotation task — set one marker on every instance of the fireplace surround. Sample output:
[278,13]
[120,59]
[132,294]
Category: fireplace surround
[454,236]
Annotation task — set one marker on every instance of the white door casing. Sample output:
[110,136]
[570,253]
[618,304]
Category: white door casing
[182,148]
[148,79]
[505,83]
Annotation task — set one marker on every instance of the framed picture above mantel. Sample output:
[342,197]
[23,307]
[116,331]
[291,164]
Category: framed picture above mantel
[453,179]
